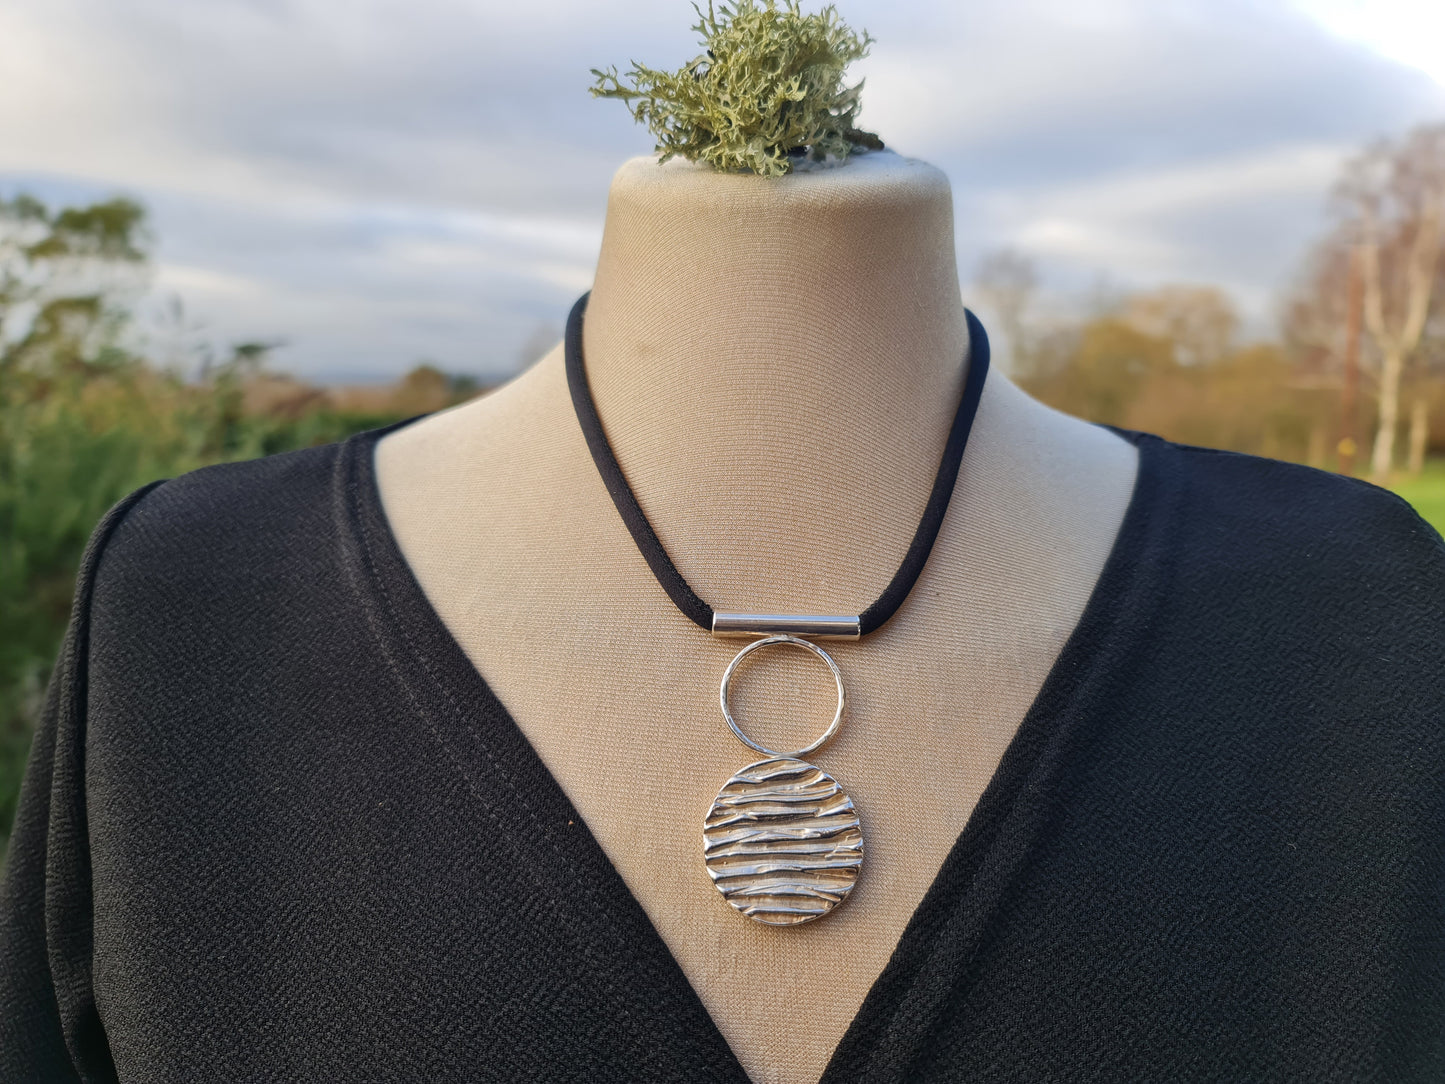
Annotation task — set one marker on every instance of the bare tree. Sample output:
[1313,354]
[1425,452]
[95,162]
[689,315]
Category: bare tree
[1199,320]
[1393,200]
[1429,365]
[1321,325]
[1006,279]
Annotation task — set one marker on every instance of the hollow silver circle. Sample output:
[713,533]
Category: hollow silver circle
[783,638]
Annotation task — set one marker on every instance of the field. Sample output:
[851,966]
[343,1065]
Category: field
[1427,493]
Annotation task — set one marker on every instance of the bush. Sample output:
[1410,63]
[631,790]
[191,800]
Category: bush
[73,443]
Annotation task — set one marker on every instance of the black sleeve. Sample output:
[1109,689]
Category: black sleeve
[50,1029]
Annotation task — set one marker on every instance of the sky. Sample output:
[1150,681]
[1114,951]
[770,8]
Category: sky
[372,183]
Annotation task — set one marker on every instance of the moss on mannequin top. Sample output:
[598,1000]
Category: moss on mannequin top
[768,91]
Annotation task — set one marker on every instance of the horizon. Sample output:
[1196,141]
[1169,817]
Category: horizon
[362,184]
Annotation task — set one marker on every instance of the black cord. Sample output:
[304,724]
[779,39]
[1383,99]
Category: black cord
[622,496]
[677,588]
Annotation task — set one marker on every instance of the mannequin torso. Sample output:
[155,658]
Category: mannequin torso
[776,363]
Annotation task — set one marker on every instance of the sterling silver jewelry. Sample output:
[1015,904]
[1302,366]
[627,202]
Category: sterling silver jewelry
[781,841]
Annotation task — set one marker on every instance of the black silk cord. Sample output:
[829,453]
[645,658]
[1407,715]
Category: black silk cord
[677,588]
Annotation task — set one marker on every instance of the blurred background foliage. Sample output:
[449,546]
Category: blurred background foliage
[85,418]
[1352,382]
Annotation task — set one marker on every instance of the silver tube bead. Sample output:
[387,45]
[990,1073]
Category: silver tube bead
[824,628]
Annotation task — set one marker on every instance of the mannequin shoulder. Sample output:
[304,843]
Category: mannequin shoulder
[528,412]
[505,457]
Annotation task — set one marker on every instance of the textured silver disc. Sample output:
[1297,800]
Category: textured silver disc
[782,842]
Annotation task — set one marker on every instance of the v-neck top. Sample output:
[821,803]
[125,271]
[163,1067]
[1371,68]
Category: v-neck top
[276,826]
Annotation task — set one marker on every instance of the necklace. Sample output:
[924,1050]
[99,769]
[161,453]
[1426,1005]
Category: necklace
[782,841]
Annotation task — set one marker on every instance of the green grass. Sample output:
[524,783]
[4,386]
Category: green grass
[1427,493]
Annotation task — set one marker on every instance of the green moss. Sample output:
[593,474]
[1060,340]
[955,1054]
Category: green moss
[768,90]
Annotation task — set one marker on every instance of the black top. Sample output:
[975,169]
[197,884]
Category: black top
[276,826]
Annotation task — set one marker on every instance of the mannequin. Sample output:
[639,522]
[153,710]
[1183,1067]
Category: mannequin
[776,363]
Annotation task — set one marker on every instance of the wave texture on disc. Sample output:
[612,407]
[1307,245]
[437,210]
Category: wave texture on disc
[782,842]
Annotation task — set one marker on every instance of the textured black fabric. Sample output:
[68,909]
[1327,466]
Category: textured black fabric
[276,826]
[678,589]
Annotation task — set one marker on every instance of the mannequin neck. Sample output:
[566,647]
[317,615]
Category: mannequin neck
[833,289]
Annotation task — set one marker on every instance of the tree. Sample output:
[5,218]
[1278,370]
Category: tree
[63,277]
[1199,320]
[1429,366]
[1392,203]
[424,389]
[1321,323]
[1101,371]
[1006,280]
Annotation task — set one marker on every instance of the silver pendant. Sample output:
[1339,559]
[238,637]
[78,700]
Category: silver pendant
[782,841]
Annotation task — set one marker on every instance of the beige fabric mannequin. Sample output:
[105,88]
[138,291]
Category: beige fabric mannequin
[776,362]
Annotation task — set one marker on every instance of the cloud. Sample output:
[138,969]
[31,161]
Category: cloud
[206,283]
[1407,31]
[1139,225]
[381,180]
